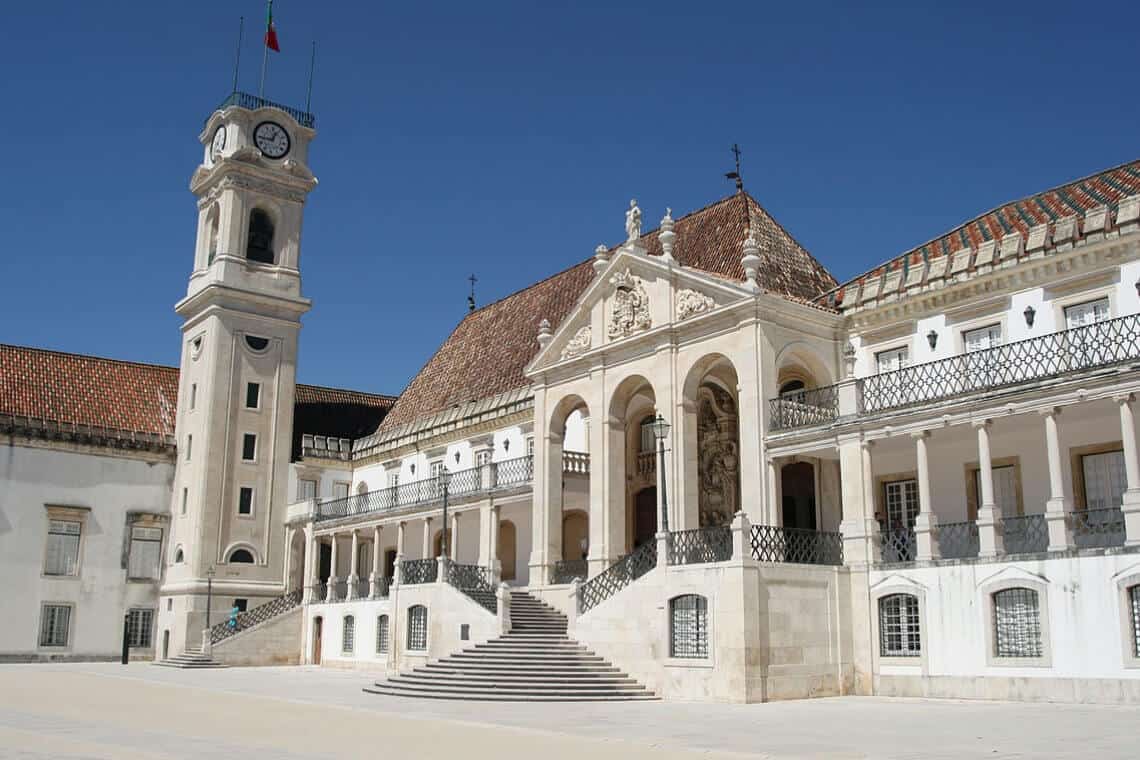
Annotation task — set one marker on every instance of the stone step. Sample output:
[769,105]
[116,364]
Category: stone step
[522,692]
[508,670]
[531,684]
[501,697]
[539,680]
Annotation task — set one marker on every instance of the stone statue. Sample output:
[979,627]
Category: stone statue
[632,222]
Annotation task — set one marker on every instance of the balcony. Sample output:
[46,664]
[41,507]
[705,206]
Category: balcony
[1060,354]
[253,102]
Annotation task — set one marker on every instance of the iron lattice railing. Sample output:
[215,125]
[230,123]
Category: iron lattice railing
[566,570]
[318,592]
[474,581]
[362,589]
[958,540]
[898,545]
[339,591]
[796,409]
[256,616]
[1097,528]
[252,102]
[475,480]
[1103,344]
[771,543]
[617,576]
[1025,534]
[414,571]
[693,547]
[383,585]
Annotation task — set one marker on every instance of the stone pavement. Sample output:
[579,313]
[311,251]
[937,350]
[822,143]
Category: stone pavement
[142,711]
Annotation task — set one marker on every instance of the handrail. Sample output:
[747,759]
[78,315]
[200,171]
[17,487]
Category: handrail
[253,102]
[259,614]
[617,576]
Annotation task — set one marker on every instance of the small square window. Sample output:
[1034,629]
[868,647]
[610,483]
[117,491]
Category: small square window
[245,501]
[252,395]
[55,625]
[249,447]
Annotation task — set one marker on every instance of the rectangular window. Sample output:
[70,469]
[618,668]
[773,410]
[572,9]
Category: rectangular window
[245,501]
[417,627]
[982,338]
[891,359]
[530,446]
[1088,313]
[1005,489]
[140,627]
[249,447]
[382,634]
[145,554]
[393,479]
[252,395]
[898,626]
[689,627]
[193,395]
[348,637]
[1105,481]
[306,489]
[1017,623]
[189,446]
[482,457]
[902,504]
[55,625]
[62,553]
[340,490]
[185,497]
[435,469]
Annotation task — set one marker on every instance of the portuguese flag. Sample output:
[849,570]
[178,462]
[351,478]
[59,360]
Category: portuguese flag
[271,31]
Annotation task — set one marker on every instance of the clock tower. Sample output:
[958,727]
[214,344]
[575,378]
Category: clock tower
[241,316]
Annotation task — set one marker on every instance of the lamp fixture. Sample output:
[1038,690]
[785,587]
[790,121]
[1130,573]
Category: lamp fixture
[932,339]
[660,428]
[1030,313]
[444,477]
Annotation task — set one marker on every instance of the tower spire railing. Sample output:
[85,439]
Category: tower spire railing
[252,102]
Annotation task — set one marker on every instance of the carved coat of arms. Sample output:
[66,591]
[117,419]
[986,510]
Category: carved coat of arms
[579,344]
[629,312]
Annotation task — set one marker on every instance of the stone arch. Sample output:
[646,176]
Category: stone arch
[708,442]
[261,231]
[800,362]
[242,554]
[634,471]
[575,534]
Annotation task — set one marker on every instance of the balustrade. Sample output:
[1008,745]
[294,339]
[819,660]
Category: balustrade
[1025,534]
[566,570]
[958,540]
[647,464]
[771,543]
[1097,528]
[617,576]
[416,571]
[692,547]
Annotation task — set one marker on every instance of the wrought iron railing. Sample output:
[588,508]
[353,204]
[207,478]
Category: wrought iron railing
[958,540]
[1097,528]
[771,543]
[414,571]
[1025,534]
[473,580]
[617,576]
[804,408]
[318,592]
[566,570]
[338,591]
[575,463]
[245,100]
[898,545]
[693,547]
[362,589]
[383,585]
[482,479]
[259,614]
[1103,344]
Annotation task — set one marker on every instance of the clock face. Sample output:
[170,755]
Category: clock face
[271,139]
[219,143]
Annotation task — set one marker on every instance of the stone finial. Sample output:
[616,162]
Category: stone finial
[545,334]
[667,237]
[849,360]
[751,260]
[601,258]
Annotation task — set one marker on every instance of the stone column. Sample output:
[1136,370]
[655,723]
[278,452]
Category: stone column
[546,531]
[1057,508]
[862,544]
[312,564]
[401,529]
[353,562]
[990,542]
[330,593]
[427,547]
[772,510]
[607,516]
[377,568]
[1131,500]
[453,539]
[496,564]
[288,557]
[925,523]
[489,539]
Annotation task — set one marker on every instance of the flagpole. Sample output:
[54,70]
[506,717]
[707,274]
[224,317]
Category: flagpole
[237,58]
[312,65]
[265,55]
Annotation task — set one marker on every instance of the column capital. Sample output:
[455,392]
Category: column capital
[1050,411]
[1122,398]
[983,424]
[920,435]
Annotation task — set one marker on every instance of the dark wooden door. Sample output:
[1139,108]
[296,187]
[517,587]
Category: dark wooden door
[644,516]
[317,625]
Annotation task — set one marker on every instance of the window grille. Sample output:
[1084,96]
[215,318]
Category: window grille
[348,634]
[145,554]
[1134,599]
[1017,623]
[55,625]
[140,627]
[689,627]
[417,627]
[382,634]
[899,626]
[1105,480]
[62,553]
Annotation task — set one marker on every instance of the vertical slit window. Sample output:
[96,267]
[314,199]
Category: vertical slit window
[348,638]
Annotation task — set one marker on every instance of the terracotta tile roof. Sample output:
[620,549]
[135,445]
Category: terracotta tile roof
[1104,188]
[486,353]
[131,397]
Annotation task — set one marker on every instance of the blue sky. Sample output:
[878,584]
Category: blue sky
[506,139]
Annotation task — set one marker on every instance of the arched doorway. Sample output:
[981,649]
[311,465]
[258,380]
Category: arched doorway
[324,554]
[797,485]
[644,516]
[575,536]
[508,549]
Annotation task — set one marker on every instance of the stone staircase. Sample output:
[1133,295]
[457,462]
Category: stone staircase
[535,662]
[191,659]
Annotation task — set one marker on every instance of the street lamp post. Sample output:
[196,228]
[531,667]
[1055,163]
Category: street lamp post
[444,479]
[209,594]
[661,432]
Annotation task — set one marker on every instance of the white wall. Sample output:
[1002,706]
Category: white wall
[107,486]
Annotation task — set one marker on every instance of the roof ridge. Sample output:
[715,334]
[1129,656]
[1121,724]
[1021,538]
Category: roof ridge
[57,352]
[977,217]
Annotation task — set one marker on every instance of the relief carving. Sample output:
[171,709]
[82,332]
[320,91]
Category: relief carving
[690,302]
[579,344]
[630,309]
[718,450]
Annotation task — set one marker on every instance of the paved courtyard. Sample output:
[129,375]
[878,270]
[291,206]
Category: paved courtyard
[142,711]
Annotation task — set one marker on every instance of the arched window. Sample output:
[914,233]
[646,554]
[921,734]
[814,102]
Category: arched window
[1134,605]
[689,627]
[348,634]
[417,628]
[361,488]
[178,556]
[382,634]
[259,244]
[1017,623]
[241,557]
[899,626]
